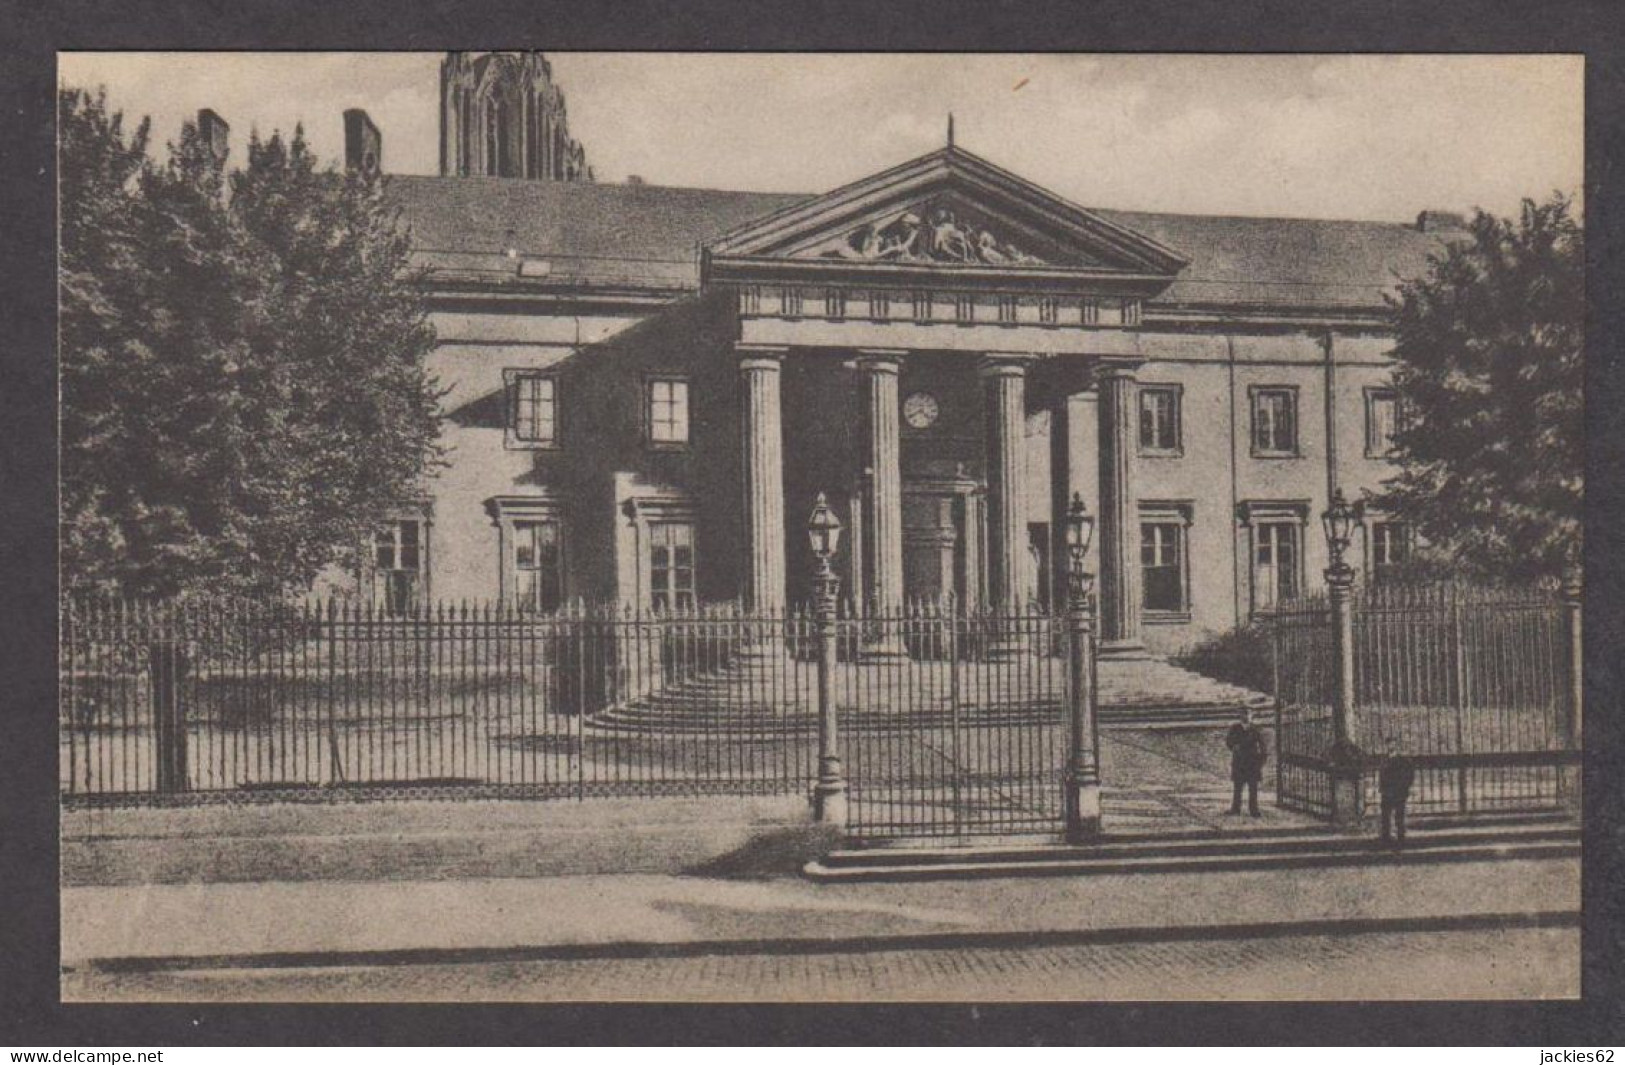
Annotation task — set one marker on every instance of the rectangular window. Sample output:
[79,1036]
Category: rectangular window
[668,410]
[1390,547]
[1162,566]
[538,572]
[671,566]
[1276,563]
[1159,419]
[1275,421]
[1382,415]
[533,414]
[397,558]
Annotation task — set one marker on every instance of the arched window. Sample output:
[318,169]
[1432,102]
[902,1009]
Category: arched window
[495,130]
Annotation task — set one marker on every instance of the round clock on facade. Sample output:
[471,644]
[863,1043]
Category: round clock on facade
[920,410]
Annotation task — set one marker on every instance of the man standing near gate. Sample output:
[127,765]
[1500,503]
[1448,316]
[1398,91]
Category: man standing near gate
[1247,755]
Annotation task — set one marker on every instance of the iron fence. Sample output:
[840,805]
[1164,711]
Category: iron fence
[1467,681]
[953,722]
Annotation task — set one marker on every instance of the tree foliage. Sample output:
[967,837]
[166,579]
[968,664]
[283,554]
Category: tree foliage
[244,391]
[1490,349]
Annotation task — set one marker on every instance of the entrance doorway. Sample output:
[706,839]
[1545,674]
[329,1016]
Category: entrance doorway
[941,541]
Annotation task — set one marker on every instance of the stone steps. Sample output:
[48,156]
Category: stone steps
[1431,840]
[1142,693]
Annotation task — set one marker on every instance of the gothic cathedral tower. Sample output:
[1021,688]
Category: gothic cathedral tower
[501,115]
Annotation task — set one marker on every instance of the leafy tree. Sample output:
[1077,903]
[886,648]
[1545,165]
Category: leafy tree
[243,384]
[1490,349]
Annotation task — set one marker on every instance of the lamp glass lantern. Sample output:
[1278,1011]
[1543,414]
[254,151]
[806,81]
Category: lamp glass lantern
[823,530]
[1338,521]
[1080,530]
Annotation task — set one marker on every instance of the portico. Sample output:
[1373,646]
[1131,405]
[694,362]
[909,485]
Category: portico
[957,303]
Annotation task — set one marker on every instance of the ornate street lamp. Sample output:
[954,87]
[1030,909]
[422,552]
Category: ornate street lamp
[1345,757]
[1080,530]
[824,537]
[1082,778]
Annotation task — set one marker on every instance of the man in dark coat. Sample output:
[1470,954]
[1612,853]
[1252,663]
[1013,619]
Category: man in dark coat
[1248,752]
[1394,781]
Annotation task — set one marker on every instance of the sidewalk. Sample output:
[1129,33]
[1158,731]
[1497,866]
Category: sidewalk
[328,923]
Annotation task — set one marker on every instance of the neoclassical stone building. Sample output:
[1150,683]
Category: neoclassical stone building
[648,387]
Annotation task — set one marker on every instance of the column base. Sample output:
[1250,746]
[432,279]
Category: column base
[886,651]
[1008,648]
[766,656]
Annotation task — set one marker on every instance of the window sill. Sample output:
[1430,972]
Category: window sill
[1165,617]
[667,445]
[1162,453]
[515,444]
[1277,454]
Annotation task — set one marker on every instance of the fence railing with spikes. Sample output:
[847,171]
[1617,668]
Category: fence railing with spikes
[1469,681]
[241,697]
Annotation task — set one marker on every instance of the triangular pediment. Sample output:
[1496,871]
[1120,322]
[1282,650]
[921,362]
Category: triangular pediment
[947,211]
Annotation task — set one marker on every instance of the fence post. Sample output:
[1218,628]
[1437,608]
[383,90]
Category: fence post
[829,793]
[1348,784]
[1458,702]
[1573,600]
[167,661]
[1082,769]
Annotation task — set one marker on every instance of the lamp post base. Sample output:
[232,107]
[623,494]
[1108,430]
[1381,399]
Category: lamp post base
[829,802]
[1348,797]
[1083,824]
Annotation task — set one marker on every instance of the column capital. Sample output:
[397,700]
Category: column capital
[879,360]
[1117,371]
[762,353]
[1004,364]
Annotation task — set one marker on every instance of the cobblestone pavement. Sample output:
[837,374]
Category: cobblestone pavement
[1496,964]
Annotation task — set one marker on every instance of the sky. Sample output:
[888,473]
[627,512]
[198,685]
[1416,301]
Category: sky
[1358,137]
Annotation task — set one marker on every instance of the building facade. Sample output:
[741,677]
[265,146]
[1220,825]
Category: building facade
[648,387]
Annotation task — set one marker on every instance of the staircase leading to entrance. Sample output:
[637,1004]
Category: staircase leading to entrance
[742,700]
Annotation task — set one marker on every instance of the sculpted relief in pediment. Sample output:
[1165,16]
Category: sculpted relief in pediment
[930,233]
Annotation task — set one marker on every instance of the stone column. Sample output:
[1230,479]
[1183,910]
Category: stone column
[1004,382]
[762,444]
[877,374]
[1119,516]
[883,517]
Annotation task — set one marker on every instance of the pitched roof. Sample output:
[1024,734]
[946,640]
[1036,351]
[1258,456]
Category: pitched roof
[1284,261]
[638,234]
[650,235]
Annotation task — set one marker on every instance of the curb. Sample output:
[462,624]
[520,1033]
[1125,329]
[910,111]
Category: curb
[1544,919]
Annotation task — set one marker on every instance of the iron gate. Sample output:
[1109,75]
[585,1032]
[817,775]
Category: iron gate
[953,724]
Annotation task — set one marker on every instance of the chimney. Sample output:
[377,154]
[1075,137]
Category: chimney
[363,144]
[1440,222]
[215,133]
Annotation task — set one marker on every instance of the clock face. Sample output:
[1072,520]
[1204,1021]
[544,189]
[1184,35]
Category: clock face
[920,410]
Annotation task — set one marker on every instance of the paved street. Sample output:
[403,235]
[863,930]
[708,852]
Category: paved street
[1461,964]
